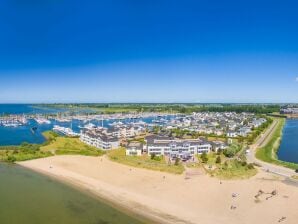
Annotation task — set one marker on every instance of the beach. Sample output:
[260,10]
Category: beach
[193,197]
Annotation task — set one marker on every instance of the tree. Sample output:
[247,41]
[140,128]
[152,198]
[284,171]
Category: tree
[177,160]
[250,166]
[152,156]
[156,129]
[231,151]
[204,157]
[11,159]
[218,160]
[219,151]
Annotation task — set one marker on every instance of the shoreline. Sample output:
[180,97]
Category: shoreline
[134,210]
[273,141]
[175,199]
[81,188]
[281,139]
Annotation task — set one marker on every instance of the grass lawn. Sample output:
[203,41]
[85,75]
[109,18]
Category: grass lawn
[70,146]
[214,138]
[234,170]
[55,145]
[211,158]
[22,152]
[268,152]
[227,168]
[144,161]
[21,155]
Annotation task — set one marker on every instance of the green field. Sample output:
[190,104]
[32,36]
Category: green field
[227,168]
[166,107]
[234,169]
[144,161]
[59,145]
[268,152]
[55,145]
[21,153]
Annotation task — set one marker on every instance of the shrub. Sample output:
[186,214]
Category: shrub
[243,163]
[152,156]
[218,160]
[177,160]
[231,151]
[11,159]
[250,166]
[204,157]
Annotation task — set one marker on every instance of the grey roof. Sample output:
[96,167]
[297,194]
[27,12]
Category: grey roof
[137,145]
[155,140]
[102,136]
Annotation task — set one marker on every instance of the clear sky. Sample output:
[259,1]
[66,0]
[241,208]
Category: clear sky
[148,51]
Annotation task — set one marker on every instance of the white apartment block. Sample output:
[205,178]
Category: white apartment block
[99,140]
[176,147]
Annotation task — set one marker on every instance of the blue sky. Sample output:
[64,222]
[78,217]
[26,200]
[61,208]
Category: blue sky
[148,51]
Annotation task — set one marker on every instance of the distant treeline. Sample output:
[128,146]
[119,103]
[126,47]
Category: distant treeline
[177,108]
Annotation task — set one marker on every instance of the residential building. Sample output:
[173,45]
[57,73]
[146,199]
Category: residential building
[134,149]
[160,145]
[99,140]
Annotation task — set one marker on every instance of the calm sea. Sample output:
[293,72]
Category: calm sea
[31,198]
[26,109]
[288,150]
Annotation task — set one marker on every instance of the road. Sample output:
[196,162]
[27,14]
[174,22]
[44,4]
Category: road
[268,167]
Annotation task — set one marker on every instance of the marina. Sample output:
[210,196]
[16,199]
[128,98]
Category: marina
[28,126]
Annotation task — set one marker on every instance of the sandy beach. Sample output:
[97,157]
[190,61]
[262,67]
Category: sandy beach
[189,198]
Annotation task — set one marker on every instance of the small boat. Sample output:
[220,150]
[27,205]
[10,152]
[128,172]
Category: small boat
[33,129]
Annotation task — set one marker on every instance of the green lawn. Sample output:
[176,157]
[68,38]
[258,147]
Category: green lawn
[21,153]
[234,169]
[227,168]
[55,145]
[144,161]
[211,158]
[13,156]
[268,152]
[70,146]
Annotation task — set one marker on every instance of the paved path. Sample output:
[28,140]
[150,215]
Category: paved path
[268,167]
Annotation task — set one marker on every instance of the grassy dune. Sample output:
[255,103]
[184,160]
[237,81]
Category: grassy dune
[59,145]
[55,145]
[235,170]
[144,162]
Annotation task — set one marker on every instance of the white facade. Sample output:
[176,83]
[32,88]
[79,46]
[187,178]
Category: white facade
[178,147]
[133,151]
[99,141]
[232,134]
[125,132]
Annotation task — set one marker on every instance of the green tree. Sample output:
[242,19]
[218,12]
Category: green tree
[152,156]
[11,159]
[177,160]
[204,157]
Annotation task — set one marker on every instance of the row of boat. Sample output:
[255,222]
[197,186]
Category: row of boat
[13,121]
[65,131]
